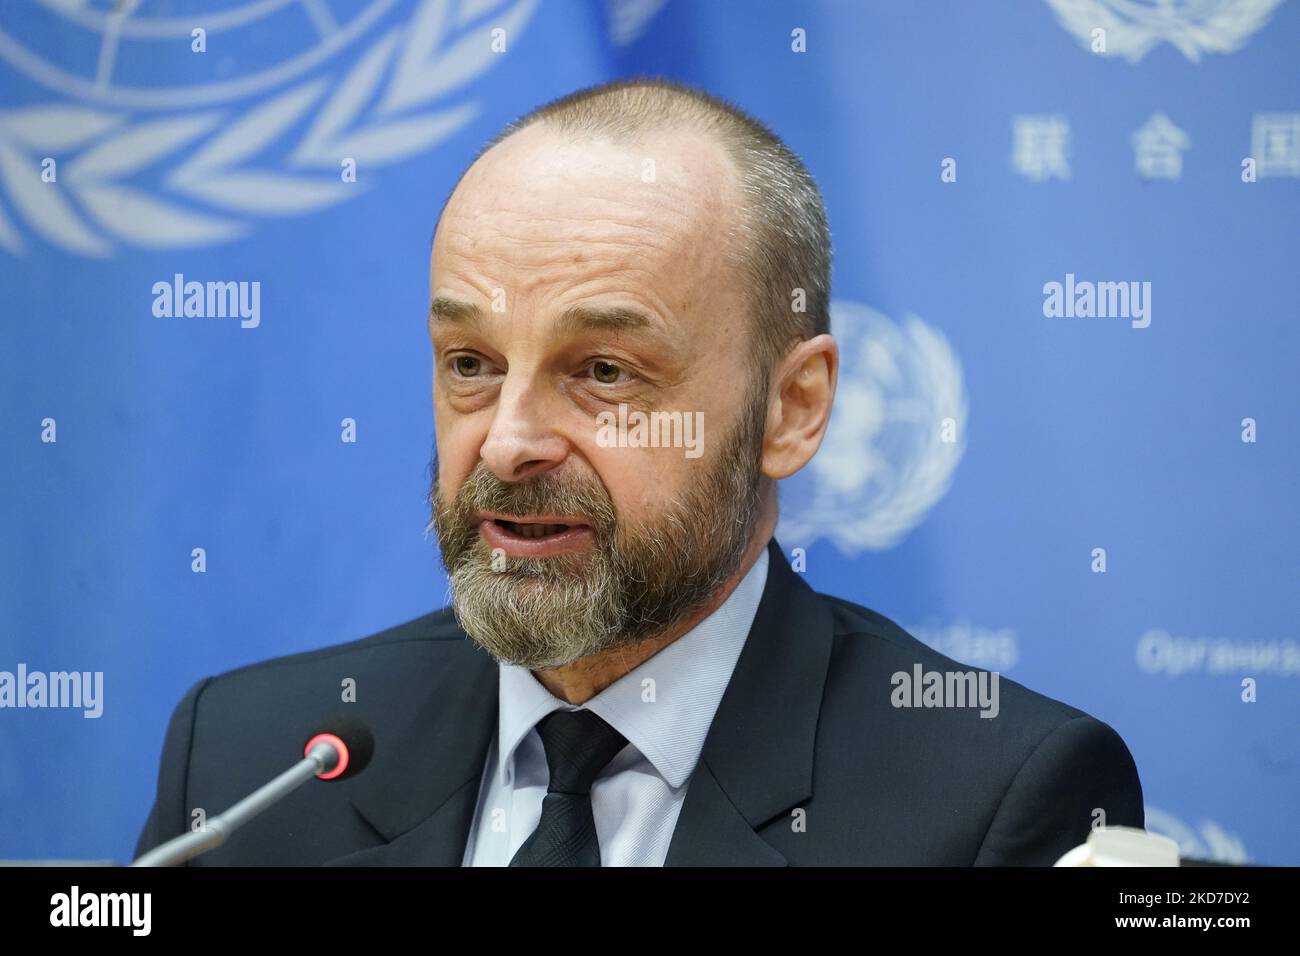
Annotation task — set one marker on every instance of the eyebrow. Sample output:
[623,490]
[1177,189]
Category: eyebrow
[444,309]
[614,318]
[577,318]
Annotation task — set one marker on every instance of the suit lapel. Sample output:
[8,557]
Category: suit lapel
[420,791]
[712,832]
[758,756]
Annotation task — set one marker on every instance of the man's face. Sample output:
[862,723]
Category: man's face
[569,278]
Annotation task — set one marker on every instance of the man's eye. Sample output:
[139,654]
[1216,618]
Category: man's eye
[605,372]
[467,365]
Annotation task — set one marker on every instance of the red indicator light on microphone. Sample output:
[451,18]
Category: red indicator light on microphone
[338,745]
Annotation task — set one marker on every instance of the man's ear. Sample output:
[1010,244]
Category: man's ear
[801,405]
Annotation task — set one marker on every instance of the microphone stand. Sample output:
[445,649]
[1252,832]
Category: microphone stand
[320,759]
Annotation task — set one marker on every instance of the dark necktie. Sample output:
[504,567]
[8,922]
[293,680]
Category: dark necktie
[578,746]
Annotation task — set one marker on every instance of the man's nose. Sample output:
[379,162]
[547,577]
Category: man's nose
[521,444]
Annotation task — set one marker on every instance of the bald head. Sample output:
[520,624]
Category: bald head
[773,232]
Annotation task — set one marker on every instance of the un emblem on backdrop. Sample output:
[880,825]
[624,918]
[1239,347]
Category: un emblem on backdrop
[1133,27]
[246,124]
[897,432]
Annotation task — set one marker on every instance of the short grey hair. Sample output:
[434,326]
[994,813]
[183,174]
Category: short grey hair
[786,243]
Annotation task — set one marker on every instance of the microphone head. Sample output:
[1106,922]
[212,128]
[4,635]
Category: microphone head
[353,741]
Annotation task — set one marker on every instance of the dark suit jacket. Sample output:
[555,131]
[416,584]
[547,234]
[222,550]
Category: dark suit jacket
[806,724]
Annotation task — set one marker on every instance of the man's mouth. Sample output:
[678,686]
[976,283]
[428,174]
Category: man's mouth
[532,530]
[535,537]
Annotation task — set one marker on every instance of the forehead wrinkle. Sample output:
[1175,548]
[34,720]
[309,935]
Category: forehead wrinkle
[643,252]
[589,272]
[533,253]
[505,237]
[597,284]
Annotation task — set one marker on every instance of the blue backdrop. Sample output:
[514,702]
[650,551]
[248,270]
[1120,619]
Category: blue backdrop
[1101,507]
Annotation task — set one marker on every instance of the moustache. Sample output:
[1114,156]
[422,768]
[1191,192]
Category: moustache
[548,494]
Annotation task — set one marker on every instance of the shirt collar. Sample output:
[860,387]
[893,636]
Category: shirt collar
[665,705]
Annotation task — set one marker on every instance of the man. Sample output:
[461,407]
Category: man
[630,294]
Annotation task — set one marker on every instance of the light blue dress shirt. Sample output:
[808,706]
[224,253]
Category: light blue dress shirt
[664,708]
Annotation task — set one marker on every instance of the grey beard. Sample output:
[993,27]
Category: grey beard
[538,620]
[636,583]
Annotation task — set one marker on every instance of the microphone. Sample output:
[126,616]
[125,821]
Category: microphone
[340,748]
